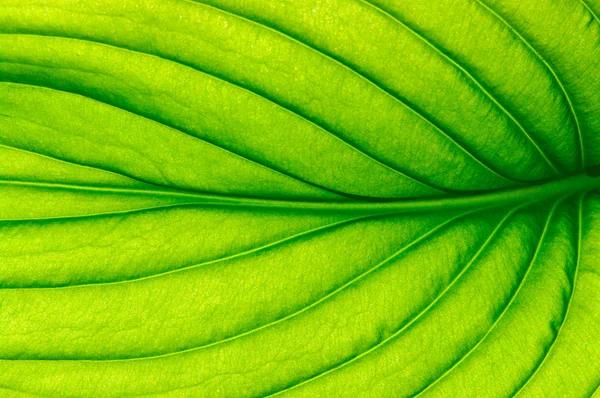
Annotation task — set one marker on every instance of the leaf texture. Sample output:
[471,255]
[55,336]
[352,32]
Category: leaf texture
[299,198]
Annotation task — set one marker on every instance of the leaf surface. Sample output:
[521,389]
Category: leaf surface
[299,198]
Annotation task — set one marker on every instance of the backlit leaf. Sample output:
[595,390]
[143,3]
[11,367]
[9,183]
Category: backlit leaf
[303,198]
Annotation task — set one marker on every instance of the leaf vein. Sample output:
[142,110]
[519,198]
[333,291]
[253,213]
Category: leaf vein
[261,248]
[87,166]
[547,352]
[414,320]
[446,56]
[550,68]
[282,173]
[505,309]
[404,103]
[306,308]
[318,126]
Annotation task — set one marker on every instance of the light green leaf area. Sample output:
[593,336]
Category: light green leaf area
[300,198]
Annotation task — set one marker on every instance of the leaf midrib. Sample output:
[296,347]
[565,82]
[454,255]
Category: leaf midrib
[575,184]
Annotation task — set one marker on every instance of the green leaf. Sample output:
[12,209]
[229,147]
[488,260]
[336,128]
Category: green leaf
[340,198]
